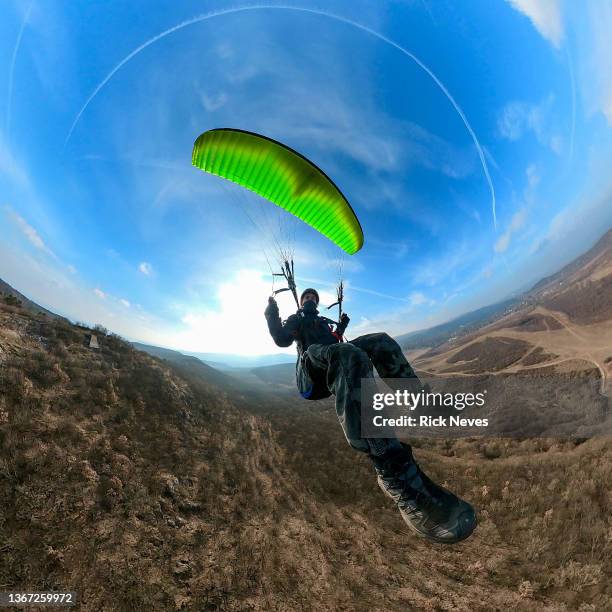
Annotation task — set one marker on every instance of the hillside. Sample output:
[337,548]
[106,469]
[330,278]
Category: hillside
[9,296]
[146,487]
[562,326]
[573,290]
[192,364]
[280,376]
[122,477]
[600,249]
[582,290]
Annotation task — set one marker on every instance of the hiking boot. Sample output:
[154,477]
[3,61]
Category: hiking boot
[428,509]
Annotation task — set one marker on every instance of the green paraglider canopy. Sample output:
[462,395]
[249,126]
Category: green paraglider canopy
[282,176]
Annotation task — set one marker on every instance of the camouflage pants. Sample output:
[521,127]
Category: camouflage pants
[342,366]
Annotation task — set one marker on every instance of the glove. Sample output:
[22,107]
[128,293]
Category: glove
[272,308]
[342,324]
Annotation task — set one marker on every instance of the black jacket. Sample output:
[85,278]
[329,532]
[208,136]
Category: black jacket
[305,327]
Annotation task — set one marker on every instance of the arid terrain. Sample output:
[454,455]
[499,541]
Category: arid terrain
[565,322]
[145,483]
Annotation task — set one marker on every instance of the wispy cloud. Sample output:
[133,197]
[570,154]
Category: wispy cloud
[9,99]
[364,28]
[29,232]
[440,269]
[516,223]
[330,128]
[520,217]
[566,226]
[48,283]
[389,249]
[597,65]
[518,118]
[213,101]
[415,184]
[418,298]
[12,169]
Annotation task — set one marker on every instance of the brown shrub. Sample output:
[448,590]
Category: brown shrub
[41,368]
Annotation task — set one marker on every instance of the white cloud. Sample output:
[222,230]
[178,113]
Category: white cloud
[568,223]
[545,15]
[99,293]
[29,232]
[517,221]
[518,118]
[146,268]
[328,127]
[71,269]
[519,218]
[361,324]
[502,243]
[125,303]
[512,120]
[49,284]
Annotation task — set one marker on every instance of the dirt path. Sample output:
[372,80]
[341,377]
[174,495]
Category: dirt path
[583,343]
[566,324]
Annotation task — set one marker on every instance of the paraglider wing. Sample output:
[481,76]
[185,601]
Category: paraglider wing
[282,176]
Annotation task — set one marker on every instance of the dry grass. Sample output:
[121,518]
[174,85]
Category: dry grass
[143,487]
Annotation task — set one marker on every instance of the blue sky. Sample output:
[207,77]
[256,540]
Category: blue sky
[472,139]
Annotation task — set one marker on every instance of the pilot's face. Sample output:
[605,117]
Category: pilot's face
[309,297]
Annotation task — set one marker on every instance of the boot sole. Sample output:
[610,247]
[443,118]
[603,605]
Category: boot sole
[425,536]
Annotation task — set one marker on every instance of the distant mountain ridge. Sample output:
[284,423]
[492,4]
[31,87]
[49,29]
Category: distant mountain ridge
[463,324]
[476,319]
[229,361]
[601,248]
